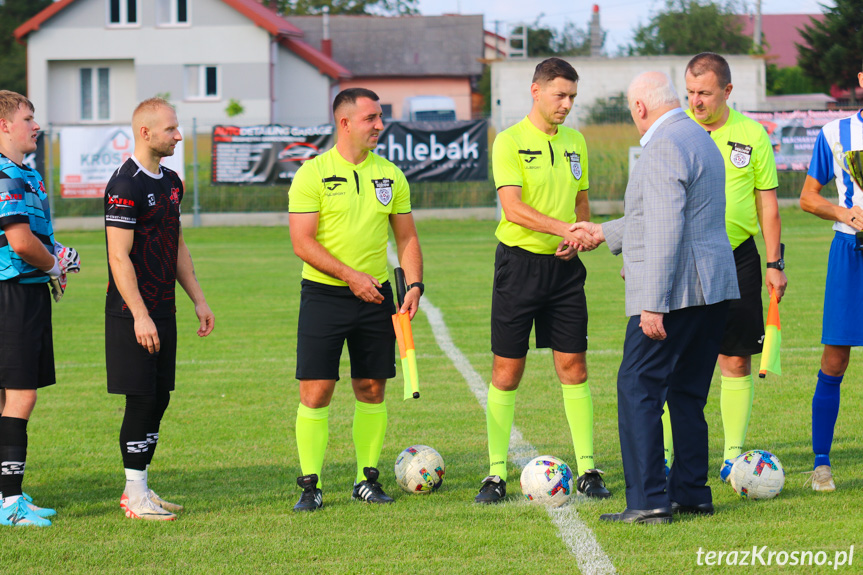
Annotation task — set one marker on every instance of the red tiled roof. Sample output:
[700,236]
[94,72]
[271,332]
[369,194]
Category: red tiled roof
[251,9]
[287,33]
[33,23]
[324,63]
[264,17]
[780,32]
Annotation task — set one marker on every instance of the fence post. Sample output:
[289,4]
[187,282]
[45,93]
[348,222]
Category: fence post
[196,208]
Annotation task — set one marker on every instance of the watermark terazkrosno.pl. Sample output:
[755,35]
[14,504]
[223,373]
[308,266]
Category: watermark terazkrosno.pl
[765,556]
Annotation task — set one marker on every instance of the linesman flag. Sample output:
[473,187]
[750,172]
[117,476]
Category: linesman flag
[772,340]
[405,339]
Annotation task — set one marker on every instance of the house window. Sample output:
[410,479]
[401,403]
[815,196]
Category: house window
[95,94]
[202,82]
[172,12]
[122,12]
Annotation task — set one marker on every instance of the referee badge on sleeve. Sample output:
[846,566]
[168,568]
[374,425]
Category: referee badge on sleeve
[741,154]
[574,164]
[384,190]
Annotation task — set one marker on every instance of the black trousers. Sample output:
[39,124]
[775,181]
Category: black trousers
[677,370]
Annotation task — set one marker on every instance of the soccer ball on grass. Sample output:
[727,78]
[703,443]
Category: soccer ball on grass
[419,469]
[547,480]
[757,474]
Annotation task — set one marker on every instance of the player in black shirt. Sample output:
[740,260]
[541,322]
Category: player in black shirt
[146,257]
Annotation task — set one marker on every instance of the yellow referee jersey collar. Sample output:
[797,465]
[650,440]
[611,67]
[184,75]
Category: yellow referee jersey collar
[351,165]
[540,133]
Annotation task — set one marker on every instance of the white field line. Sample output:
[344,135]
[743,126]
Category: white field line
[577,536]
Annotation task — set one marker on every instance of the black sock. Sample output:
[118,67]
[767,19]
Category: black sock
[137,423]
[13,455]
[163,397]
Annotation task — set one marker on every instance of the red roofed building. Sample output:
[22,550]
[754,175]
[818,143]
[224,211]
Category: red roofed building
[92,61]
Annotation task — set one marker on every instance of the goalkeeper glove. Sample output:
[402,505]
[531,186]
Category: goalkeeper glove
[58,286]
[69,260]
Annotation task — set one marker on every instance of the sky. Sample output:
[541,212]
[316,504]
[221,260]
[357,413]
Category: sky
[617,17]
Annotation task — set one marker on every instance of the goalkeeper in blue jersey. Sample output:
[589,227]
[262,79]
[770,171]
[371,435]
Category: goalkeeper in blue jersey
[30,259]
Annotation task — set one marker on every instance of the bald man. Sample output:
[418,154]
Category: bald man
[146,257]
[680,275]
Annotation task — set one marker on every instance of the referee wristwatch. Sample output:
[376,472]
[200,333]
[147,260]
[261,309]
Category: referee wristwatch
[780,263]
[420,285]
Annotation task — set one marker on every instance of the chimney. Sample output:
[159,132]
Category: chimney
[326,43]
[274,6]
[595,33]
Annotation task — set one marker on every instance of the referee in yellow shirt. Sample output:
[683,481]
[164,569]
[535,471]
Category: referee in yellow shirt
[541,174]
[750,200]
[341,203]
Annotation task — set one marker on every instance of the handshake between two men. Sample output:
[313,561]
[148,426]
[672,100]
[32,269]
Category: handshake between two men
[586,236]
[581,237]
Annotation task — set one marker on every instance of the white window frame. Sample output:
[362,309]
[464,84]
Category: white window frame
[201,71]
[124,15]
[95,93]
[168,12]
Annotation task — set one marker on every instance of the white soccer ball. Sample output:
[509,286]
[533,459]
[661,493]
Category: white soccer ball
[547,480]
[419,469]
[757,474]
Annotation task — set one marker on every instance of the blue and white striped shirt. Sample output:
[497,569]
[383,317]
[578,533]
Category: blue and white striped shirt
[841,135]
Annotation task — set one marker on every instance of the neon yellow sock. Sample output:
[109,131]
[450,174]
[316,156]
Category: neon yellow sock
[312,435]
[499,414]
[370,426]
[578,405]
[736,404]
[667,438]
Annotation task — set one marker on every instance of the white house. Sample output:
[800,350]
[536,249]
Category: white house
[92,61]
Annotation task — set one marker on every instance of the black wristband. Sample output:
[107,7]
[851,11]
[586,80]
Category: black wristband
[420,285]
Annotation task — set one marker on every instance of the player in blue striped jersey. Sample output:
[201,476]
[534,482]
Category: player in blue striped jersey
[28,262]
[842,323]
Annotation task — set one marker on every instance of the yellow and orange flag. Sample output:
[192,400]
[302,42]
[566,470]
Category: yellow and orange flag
[405,339]
[408,353]
[772,340]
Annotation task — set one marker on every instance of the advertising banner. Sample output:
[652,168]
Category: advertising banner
[89,155]
[425,151]
[793,134]
[437,151]
[269,154]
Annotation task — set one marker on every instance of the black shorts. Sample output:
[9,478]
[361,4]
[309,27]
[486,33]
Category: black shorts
[744,330]
[26,338]
[132,370]
[329,315]
[537,288]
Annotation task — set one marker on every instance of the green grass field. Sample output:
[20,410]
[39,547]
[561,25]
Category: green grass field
[227,449]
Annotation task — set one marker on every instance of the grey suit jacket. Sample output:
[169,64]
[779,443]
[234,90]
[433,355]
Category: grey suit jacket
[676,252]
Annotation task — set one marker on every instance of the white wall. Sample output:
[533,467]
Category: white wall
[64,81]
[604,77]
[303,93]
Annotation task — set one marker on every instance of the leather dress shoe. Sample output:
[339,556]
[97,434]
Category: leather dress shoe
[700,509]
[658,515]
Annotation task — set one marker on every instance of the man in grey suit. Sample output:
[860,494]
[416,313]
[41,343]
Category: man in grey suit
[680,273]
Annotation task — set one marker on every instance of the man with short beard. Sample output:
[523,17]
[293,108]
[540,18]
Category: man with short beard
[147,256]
